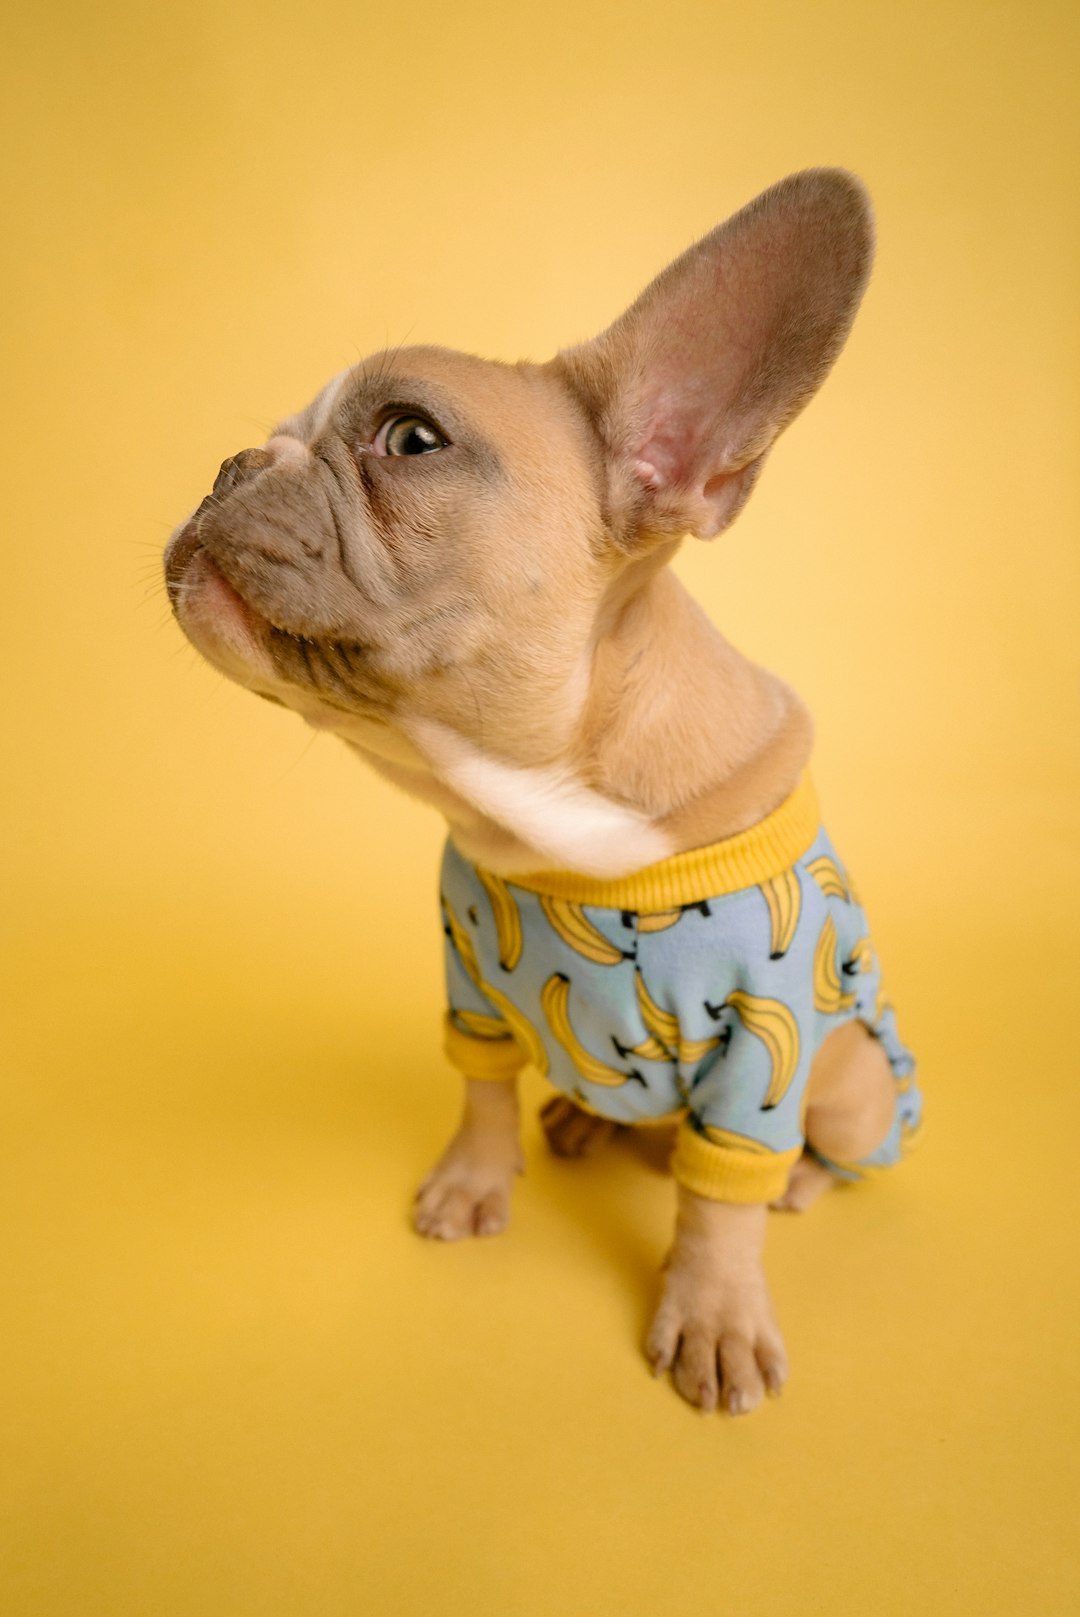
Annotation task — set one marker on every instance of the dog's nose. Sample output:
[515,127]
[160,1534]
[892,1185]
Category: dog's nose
[240,469]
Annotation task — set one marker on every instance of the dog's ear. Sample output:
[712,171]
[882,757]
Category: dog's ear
[691,386]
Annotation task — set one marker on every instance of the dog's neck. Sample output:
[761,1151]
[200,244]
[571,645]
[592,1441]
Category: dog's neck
[684,727]
[681,741]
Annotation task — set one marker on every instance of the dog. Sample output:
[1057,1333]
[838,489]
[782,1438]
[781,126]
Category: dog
[460,568]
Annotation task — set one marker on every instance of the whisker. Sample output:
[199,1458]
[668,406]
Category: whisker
[261,426]
[298,760]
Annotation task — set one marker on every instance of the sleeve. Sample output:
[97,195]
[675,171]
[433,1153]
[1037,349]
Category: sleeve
[744,1131]
[727,1167]
[477,1040]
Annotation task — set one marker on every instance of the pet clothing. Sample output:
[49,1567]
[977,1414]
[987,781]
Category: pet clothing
[702,986]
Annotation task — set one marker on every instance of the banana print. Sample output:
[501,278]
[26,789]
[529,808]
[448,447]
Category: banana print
[736,1142]
[575,928]
[658,920]
[650,1049]
[829,996]
[481,1027]
[507,918]
[829,877]
[664,1041]
[783,895]
[663,1026]
[772,1022]
[554,999]
[861,958]
[463,944]
[691,1051]
[519,1024]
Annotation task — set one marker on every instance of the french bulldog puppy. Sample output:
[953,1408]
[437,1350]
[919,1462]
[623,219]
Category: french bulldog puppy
[460,568]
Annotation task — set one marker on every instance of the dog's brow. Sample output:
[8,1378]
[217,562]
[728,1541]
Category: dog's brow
[384,390]
[387,391]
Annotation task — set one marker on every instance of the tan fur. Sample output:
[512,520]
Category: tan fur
[684,725]
[493,626]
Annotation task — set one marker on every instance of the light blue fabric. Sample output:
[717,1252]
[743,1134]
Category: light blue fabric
[708,970]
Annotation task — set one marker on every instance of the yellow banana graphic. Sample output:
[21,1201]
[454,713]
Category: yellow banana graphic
[693,1050]
[650,1049]
[665,1042]
[663,1026]
[658,921]
[481,1027]
[690,1051]
[507,919]
[772,1022]
[829,877]
[861,958]
[463,944]
[520,1026]
[740,1142]
[554,998]
[828,994]
[783,896]
[575,928]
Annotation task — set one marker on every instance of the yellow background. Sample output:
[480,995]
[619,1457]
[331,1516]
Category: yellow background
[234,1383]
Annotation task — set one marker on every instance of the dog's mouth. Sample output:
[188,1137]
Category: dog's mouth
[210,608]
[247,644]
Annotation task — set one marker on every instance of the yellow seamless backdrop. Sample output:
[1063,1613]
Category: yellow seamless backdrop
[235,1382]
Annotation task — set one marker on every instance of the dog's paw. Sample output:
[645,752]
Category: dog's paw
[572,1132]
[466,1193]
[447,1211]
[809,1180]
[720,1342]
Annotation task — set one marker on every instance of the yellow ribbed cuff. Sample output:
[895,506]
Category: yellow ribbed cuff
[757,855]
[481,1058]
[727,1174]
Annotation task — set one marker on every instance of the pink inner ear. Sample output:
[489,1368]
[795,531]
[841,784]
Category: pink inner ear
[676,447]
[664,460]
[690,453]
[648,476]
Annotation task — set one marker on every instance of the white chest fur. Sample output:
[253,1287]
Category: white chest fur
[562,823]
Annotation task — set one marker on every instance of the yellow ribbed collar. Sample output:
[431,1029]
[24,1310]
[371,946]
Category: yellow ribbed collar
[757,855]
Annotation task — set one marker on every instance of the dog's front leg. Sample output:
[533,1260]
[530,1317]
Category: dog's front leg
[468,1190]
[715,1327]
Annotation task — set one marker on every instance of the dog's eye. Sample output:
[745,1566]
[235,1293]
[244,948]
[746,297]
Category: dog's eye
[408,435]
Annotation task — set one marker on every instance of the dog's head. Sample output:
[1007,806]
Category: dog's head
[439,540]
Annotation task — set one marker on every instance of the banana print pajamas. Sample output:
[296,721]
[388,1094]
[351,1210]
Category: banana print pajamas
[701,986]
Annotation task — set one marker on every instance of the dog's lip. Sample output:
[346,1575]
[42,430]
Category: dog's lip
[182,547]
[186,549]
